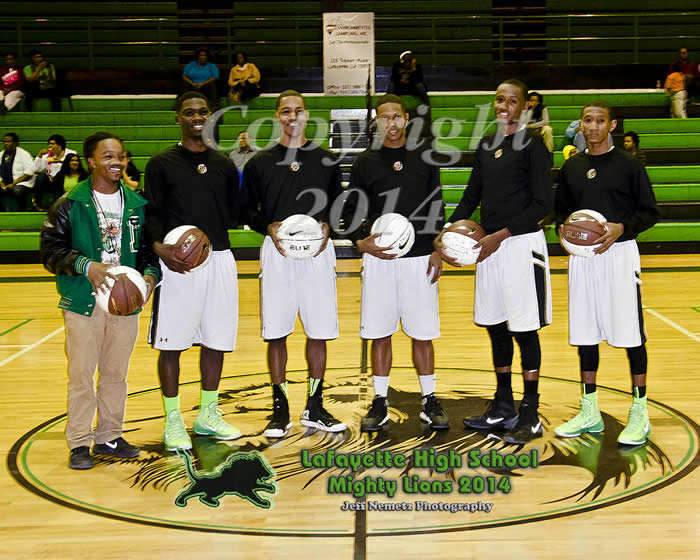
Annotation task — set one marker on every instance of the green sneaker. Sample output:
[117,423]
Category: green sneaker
[210,423]
[588,420]
[638,428]
[175,435]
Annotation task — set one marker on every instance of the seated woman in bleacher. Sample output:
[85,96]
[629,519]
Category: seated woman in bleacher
[537,117]
[48,192]
[201,75]
[244,80]
[131,176]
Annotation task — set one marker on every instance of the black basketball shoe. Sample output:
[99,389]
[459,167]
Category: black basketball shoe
[528,427]
[433,413]
[499,415]
[117,448]
[280,422]
[377,416]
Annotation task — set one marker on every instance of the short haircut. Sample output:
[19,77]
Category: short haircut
[34,52]
[14,137]
[289,93]
[12,54]
[91,142]
[204,50]
[634,136]
[390,98]
[60,140]
[180,101]
[244,131]
[601,105]
[518,84]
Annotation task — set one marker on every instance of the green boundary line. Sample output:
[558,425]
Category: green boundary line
[16,326]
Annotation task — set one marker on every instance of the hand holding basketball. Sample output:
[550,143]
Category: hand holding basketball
[272,230]
[369,245]
[434,267]
[614,231]
[97,274]
[490,244]
[167,253]
[326,234]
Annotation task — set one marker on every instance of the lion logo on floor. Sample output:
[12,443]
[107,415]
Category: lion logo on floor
[246,475]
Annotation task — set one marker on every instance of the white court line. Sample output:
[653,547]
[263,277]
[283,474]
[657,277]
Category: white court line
[13,345]
[670,323]
[30,347]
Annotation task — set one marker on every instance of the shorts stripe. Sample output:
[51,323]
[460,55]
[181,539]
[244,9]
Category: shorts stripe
[640,313]
[154,315]
[540,288]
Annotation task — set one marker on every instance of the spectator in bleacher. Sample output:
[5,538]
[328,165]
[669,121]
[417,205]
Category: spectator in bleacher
[407,78]
[201,75]
[244,152]
[11,83]
[675,89]
[131,176]
[683,65]
[49,160]
[537,118]
[16,174]
[48,192]
[632,146]
[244,80]
[40,78]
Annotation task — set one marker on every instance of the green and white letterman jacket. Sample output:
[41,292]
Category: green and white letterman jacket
[71,238]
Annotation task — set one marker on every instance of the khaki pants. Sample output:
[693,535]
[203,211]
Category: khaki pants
[106,342]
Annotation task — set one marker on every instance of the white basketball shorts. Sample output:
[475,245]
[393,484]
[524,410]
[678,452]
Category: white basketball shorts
[605,298]
[305,287]
[197,308]
[513,285]
[398,289]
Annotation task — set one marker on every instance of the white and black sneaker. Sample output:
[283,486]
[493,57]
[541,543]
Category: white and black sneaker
[280,422]
[433,413]
[117,448]
[315,416]
[499,415]
[377,416]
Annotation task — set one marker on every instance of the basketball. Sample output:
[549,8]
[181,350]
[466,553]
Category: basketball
[127,293]
[460,246]
[581,232]
[193,246]
[395,232]
[300,236]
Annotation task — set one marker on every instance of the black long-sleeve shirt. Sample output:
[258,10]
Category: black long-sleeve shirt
[192,188]
[281,182]
[512,181]
[411,189]
[614,184]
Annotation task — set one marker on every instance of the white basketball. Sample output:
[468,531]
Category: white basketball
[586,251]
[460,247]
[102,298]
[300,236]
[396,232]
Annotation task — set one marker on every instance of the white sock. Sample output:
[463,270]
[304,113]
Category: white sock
[381,385]
[427,384]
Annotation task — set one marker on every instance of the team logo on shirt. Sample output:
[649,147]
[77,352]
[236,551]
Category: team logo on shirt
[295,166]
[591,173]
[398,166]
[201,169]
[498,153]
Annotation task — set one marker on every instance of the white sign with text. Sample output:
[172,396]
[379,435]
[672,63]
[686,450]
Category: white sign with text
[348,53]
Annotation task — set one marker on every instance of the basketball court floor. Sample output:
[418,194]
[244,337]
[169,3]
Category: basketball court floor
[404,492]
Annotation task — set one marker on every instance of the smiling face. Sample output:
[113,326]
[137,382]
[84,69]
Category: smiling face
[192,116]
[596,125]
[507,105]
[292,116]
[74,162]
[108,161]
[391,124]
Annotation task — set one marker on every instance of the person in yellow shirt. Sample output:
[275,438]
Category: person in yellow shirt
[675,88]
[244,80]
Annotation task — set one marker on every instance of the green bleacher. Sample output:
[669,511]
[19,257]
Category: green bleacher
[147,126]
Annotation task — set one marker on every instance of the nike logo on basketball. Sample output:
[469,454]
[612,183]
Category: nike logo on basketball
[296,232]
[494,420]
[403,245]
[111,445]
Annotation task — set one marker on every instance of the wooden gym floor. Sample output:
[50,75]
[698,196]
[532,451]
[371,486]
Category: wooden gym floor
[585,497]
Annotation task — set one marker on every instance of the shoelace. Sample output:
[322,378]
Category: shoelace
[176,427]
